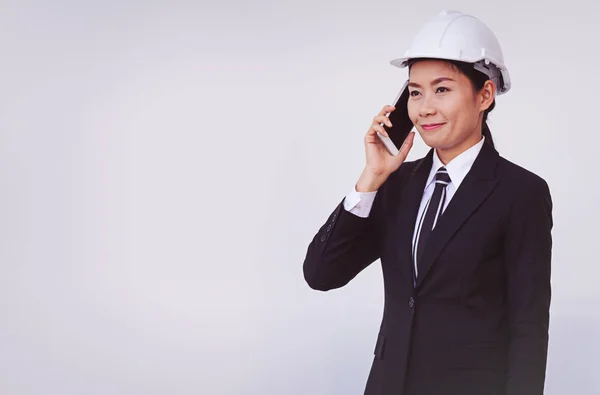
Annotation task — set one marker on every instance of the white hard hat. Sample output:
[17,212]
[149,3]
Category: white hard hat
[452,35]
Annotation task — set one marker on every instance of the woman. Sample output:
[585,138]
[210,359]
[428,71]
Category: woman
[463,235]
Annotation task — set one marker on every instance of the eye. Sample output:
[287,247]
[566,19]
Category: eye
[414,93]
[442,89]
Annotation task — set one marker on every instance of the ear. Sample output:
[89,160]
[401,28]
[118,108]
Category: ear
[487,95]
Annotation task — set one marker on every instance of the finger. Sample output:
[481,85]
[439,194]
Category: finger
[373,139]
[382,119]
[406,145]
[386,109]
[377,128]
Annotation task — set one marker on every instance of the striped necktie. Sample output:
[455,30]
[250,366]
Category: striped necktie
[431,215]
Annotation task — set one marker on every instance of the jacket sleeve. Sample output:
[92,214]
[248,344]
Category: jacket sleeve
[344,246]
[528,246]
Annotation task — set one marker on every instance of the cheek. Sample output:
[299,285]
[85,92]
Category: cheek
[413,111]
[467,118]
[453,112]
[465,113]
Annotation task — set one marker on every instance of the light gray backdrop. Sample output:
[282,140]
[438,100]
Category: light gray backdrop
[165,164]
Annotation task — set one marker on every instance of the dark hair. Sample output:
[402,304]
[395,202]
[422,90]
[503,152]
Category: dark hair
[478,80]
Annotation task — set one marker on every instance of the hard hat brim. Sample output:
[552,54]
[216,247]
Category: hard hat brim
[403,62]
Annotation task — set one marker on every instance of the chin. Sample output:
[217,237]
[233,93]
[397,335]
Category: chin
[435,141]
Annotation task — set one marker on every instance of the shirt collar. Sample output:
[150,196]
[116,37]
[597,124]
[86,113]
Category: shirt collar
[457,167]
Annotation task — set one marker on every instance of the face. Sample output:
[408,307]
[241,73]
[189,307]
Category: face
[445,108]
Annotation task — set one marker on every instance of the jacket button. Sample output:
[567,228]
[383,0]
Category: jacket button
[411,302]
[323,238]
[328,227]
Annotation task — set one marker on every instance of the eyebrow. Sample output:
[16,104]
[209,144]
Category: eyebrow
[434,82]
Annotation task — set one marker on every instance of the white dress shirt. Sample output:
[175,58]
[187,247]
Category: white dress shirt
[360,203]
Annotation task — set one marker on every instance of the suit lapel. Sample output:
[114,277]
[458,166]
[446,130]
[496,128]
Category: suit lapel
[475,188]
[409,208]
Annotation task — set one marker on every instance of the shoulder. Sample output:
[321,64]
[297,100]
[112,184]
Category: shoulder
[520,180]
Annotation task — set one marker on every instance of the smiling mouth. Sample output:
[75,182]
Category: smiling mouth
[432,126]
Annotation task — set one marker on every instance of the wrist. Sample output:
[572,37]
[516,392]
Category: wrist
[369,182]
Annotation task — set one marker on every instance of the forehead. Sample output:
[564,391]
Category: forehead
[425,71]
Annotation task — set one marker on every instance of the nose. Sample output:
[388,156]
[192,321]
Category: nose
[426,108]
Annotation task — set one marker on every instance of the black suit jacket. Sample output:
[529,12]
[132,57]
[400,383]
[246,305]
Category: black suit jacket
[477,320]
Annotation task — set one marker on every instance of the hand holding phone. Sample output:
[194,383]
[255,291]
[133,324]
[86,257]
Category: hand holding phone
[385,154]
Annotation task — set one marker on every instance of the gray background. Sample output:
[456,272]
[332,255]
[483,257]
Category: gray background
[165,164]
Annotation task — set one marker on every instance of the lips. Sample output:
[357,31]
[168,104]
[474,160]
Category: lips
[432,126]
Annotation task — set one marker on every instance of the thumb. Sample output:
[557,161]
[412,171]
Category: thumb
[405,148]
